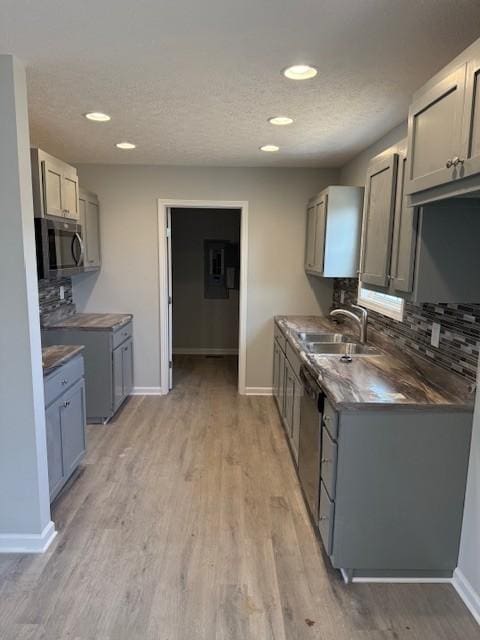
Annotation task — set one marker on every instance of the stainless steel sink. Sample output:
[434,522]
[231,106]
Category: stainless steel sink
[342,348]
[321,337]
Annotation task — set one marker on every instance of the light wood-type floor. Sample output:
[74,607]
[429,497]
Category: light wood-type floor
[186,522]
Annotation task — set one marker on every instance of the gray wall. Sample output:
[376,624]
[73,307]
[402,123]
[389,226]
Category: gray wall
[199,322]
[24,494]
[469,561]
[128,280]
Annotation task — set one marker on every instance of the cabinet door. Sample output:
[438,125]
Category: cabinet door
[378,220]
[54,448]
[404,236]
[321,225]
[92,234]
[311,237]
[281,384]
[117,377]
[70,196]
[470,156]
[289,396]
[435,133]
[127,367]
[52,188]
[297,399]
[276,371]
[72,418]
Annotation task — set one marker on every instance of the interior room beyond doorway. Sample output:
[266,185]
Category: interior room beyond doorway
[205,257]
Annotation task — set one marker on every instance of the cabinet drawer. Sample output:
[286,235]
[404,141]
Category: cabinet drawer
[329,463]
[280,338]
[294,360]
[325,519]
[122,334]
[330,419]
[56,383]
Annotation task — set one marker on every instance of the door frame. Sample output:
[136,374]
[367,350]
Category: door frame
[164,205]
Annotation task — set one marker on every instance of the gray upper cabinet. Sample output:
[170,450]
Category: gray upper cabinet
[90,223]
[378,218]
[435,131]
[415,252]
[471,122]
[333,232]
[55,187]
[444,132]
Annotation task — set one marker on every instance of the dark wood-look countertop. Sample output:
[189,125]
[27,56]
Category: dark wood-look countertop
[56,355]
[92,321]
[391,379]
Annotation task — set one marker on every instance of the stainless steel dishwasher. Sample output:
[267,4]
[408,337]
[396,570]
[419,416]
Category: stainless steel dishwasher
[310,442]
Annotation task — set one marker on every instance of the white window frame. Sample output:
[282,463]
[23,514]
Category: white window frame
[373,300]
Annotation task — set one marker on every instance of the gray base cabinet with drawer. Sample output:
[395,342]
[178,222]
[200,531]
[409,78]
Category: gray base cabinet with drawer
[65,422]
[108,366]
[392,490]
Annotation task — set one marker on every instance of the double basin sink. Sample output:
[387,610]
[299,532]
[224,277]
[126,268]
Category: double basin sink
[334,343]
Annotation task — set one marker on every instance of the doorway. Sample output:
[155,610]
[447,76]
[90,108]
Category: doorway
[202,278]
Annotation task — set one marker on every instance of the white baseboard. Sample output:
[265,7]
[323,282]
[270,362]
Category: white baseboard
[467,593]
[28,542]
[258,391]
[203,351]
[148,391]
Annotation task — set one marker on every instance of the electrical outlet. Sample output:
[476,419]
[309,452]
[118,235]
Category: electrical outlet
[435,339]
[62,292]
[342,296]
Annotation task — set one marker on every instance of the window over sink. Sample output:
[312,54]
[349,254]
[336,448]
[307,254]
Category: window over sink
[383,303]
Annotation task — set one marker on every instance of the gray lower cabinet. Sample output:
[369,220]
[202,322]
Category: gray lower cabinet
[392,491]
[415,252]
[65,424]
[287,390]
[108,358]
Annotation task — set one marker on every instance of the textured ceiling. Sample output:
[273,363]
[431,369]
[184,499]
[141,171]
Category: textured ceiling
[193,82]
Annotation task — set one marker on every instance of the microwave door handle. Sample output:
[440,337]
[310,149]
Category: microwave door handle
[78,237]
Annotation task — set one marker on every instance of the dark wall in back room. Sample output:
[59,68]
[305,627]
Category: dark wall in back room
[52,308]
[459,334]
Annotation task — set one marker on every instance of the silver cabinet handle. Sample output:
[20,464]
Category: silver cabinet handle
[449,164]
[457,161]
[326,419]
[325,460]
[66,403]
[324,518]
[64,382]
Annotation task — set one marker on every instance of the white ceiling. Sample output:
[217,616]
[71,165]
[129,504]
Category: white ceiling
[192,82]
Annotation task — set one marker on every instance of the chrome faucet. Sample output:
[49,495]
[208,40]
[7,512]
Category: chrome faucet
[361,321]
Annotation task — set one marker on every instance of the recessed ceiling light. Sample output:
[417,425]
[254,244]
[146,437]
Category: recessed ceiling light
[300,72]
[280,120]
[125,145]
[269,147]
[97,116]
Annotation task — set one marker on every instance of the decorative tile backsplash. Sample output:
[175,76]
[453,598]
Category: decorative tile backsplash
[459,345]
[51,307]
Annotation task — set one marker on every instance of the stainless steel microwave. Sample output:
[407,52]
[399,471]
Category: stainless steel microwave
[60,248]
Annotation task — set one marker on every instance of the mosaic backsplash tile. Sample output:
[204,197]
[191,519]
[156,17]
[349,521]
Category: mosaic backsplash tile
[459,345]
[52,308]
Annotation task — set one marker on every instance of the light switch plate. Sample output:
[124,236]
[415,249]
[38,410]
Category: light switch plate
[62,292]
[435,339]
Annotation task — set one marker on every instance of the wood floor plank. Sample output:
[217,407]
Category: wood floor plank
[186,522]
